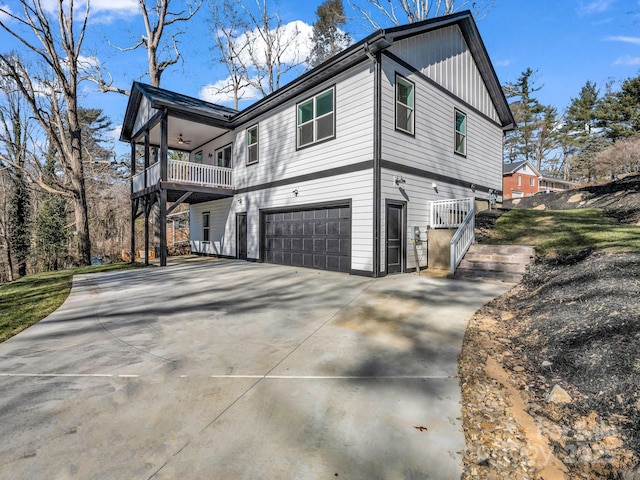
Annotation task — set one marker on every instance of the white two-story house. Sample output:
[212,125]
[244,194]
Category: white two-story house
[345,168]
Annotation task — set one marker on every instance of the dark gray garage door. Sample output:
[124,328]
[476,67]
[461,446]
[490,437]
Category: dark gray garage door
[315,238]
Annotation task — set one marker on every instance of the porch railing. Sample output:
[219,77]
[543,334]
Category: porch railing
[450,213]
[186,172]
[462,239]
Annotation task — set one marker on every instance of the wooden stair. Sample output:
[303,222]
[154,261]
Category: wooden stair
[505,263]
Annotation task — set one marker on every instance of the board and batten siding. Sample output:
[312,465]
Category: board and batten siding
[432,147]
[444,57]
[354,188]
[145,112]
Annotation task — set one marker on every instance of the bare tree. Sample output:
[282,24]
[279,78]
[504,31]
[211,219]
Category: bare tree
[257,47]
[51,91]
[160,44]
[227,23]
[398,12]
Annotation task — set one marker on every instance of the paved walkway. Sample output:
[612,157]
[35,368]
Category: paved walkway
[220,370]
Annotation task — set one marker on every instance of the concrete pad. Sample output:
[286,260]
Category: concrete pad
[235,370]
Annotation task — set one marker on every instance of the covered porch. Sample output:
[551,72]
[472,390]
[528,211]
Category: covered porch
[158,122]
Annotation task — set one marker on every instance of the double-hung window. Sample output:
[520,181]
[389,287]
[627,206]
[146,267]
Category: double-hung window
[461,133]
[223,157]
[316,119]
[252,145]
[205,226]
[405,105]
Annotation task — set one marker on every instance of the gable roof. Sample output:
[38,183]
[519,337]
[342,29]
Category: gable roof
[513,167]
[216,115]
[179,104]
[381,40]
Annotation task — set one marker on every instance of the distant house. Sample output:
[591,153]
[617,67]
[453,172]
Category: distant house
[552,184]
[344,168]
[519,179]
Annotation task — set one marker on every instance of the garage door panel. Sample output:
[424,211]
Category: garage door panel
[316,238]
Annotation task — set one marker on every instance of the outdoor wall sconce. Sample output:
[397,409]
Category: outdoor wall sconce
[210,154]
[399,179]
[473,187]
[295,192]
[240,201]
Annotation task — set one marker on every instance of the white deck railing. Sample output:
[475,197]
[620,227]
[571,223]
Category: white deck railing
[186,172]
[450,213]
[462,239]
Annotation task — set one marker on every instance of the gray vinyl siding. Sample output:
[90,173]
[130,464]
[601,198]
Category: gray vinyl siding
[432,147]
[145,112]
[219,219]
[443,56]
[355,188]
[278,156]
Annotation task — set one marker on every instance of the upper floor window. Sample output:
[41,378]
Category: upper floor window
[461,133]
[252,145]
[405,105]
[519,180]
[316,119]
[532,182]
[223,157]
[197,158]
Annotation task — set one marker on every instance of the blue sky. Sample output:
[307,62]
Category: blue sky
[566,41]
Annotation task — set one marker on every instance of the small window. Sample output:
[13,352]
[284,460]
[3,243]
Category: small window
[223,157]
[252,145]
[519,178]
[461,133]
[405,105]
[205,226]
[532,182]
[316,120]
[197,157]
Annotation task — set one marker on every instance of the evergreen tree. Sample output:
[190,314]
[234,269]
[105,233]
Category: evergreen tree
[20,223]
[51,231]
[520,144]
[578,127]
[619,112]
[328,39]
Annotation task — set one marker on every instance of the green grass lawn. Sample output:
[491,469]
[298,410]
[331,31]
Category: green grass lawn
[565,231]
[30,299]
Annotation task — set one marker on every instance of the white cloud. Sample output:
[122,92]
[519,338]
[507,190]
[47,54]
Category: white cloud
[620,38]
[502,63]
[100,11]
[627,61]
[296,36]
[221,92]
[5,10]
[594,7]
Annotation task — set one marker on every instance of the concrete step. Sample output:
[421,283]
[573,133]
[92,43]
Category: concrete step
[506,263]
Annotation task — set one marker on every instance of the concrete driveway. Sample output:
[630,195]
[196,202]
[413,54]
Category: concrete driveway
[232,370]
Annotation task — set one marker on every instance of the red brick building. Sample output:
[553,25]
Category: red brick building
[519,179]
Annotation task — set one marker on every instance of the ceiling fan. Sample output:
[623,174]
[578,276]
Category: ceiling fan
[182,141]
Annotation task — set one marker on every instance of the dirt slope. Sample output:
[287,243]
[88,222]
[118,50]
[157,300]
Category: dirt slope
[550,371]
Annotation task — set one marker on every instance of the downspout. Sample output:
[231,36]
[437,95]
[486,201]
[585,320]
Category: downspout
[377,154]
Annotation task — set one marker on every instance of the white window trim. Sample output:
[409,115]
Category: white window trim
[315,119]
[457,132]
[206,228]
[221,149]
[257,144]
[412,108]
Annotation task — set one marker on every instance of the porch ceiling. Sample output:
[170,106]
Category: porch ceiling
[194,134]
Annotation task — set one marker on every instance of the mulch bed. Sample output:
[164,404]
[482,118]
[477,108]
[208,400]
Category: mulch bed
[573,322]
